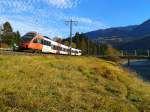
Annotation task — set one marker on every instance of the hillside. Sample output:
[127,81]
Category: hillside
[123,32]
[127,33]
[137,44]
[69,84]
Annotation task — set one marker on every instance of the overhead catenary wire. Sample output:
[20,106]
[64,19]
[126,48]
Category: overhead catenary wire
[71,23]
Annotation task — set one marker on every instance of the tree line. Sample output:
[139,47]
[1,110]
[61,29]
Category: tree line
[88,47]
[8,36]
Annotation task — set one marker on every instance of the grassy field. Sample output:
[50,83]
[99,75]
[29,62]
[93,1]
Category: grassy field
[69,84]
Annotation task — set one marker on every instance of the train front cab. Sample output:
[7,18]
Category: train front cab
[26,40]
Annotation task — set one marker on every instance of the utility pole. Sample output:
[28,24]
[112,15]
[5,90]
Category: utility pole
[148,53]
[135,53]
[122,53]
[1,28]
[88,47]
[71,23]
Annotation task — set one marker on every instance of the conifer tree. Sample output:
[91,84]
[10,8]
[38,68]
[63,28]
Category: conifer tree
[7,27]
[17,38]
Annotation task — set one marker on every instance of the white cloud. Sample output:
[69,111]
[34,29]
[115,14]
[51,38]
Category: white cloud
[29,5]
[63,3]
[15,5]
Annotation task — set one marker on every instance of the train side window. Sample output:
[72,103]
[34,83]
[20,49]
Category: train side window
[39,41]
[49,43]
[52,46]
[42,41]
[56,48]
[64,49]
[45,42]
[60,48]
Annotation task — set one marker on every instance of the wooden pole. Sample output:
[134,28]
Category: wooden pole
[135,53]
[148,53]
[122,53]
[128,61]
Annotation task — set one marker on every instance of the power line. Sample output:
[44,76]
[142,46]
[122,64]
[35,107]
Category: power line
[71,23]
[1,32]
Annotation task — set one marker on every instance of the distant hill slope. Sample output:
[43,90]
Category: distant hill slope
[69,84]
[141,30]
[111,32]
[130,32]
[137,44]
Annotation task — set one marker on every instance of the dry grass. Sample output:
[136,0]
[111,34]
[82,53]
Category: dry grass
[69,84]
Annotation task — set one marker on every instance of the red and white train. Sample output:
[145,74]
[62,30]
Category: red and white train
[38,43]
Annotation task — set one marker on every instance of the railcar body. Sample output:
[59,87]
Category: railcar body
[38,43]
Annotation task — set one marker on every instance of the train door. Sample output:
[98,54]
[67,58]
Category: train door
[46,46]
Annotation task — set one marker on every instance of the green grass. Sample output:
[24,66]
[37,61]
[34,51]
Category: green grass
[69,84]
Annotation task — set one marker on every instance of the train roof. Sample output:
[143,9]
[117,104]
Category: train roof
[32,32]
[46,37]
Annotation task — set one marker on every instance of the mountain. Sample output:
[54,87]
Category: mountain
[111,32]
[137,44]
[127,33]
[142,30]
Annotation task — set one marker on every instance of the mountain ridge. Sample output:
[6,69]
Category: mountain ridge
[131,32]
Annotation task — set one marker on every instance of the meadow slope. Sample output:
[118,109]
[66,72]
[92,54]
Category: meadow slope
[69,84]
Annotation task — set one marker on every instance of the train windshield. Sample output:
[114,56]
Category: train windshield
[28,37]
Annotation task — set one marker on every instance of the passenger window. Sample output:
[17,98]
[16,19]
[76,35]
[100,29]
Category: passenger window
[42,41]
[52,47]
[49,43]
[45,42]
[39,41]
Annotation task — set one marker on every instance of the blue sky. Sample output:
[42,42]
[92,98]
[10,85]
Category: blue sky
[47,16]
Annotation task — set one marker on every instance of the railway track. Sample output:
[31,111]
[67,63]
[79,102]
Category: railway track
[11,52]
